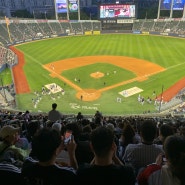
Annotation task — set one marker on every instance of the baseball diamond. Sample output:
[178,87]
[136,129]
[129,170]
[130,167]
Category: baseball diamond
[90,80]
[141,68]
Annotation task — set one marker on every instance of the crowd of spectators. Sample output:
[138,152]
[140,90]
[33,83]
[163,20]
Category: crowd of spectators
[161,25]
[25,31]
[111,150]
[7,57]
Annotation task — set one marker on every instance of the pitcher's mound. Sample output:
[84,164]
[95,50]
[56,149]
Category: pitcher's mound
[97,74]
[88,94]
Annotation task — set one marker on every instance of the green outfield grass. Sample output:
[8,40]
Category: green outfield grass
[164,51]
[5,77]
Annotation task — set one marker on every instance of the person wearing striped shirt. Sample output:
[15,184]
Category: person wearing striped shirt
[144,153]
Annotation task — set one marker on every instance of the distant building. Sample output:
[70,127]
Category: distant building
[35,6]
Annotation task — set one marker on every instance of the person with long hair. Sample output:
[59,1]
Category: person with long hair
[128,136]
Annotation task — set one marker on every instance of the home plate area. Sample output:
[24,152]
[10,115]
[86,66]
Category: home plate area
[54,88]
[130,92]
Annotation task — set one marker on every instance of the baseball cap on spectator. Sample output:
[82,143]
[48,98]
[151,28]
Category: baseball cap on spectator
[8,130]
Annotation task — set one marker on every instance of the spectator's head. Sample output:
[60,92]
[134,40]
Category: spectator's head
[32,128]
[87,129]
[45,144]
[102,141]
[54,106]
[148,131]
[9,134]
[57,126]
[110,126]
[174,147]
[165,130]
[128,134]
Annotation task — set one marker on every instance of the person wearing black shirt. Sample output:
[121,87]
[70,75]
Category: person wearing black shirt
[43,169]
[106,168]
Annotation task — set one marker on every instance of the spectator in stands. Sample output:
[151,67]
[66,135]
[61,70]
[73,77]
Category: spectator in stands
[81,136]
[8,151]
[57,126]
[144,153]
[79,117]
[112,127]
[54,115]
[84,153]
[128,136]
[26,116]
[22,142]
[173,171]
[46,145]
[98,118]
[165,130]
[32,128]
[75,129]
[106,168]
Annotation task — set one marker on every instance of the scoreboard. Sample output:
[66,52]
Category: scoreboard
[117,16]
[112,11]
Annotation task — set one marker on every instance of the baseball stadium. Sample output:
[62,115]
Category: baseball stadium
[99,99]
[126,67]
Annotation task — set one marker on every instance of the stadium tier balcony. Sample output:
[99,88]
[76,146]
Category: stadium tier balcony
[46,29]
[171,26]
[22,31]
[138,25]
[159,26]
[66,26]
[76,27]
[181,27]
[4,38]
[87,26]
[3,41]
[96,26]
[148,25]
[34,29]
[26,32]
[56,28]
[15,31]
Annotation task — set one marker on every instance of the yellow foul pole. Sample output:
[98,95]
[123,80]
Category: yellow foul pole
[7,26]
